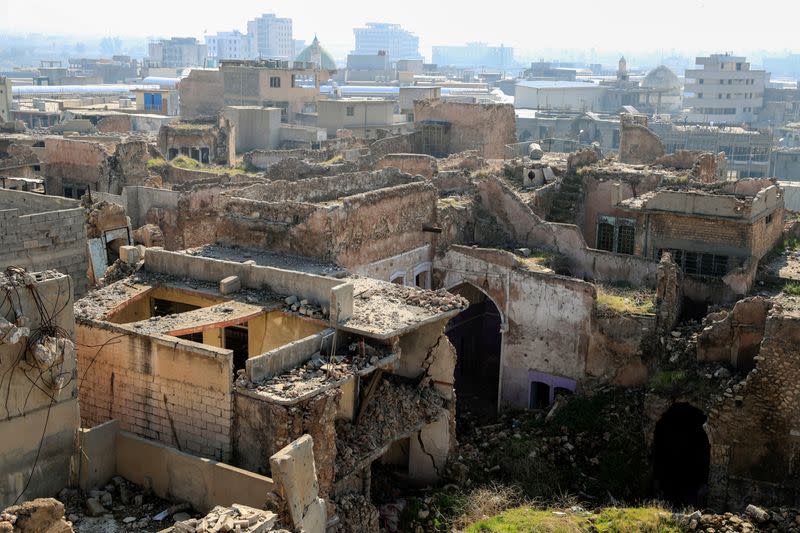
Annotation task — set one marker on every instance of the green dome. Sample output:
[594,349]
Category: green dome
[314,53]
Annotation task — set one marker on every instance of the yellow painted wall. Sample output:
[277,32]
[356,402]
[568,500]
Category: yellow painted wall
[140,308]
[277,328]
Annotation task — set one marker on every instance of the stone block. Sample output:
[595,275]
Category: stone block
[294,471]
[230,285]
[129,254]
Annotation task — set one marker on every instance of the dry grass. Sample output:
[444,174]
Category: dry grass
[486,502]
[621,301]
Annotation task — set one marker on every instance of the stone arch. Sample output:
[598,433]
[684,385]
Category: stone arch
[477,336]
[681,455]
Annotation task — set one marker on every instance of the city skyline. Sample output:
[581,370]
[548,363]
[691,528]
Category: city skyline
[531,36]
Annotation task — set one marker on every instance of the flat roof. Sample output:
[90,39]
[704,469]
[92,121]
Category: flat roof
[556,84]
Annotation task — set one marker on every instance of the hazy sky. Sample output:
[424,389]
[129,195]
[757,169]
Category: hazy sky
[693,26]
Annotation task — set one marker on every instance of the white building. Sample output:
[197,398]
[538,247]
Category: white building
[474,55]
[390,38]
[270,37]
[559,95]
[228,45]
[724,90]
[178,52]
[5,99]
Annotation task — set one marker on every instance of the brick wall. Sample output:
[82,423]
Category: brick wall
[664,228]
[157,387]
[41,241]
[765,234]
[720,236]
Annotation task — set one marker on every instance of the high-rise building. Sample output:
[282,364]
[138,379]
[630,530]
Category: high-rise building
[474,55]
[390,38]
[178,52]
[228,45]
[724,90]
[270,37]
[5,99]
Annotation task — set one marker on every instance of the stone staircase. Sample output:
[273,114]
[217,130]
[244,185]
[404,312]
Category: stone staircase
[567,199]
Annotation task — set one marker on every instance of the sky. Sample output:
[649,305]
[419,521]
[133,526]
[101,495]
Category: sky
[684,26]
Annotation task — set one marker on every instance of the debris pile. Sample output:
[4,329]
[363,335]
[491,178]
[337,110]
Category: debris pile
[236,518]
[305,308]
[356,514]
[438,301]
[120,506]
[118,270]
[317,372]
[753,518]
[42,515]
[397,411]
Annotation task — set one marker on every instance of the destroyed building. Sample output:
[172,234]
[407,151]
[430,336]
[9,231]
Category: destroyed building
[269,345]
[209,140]
[349,304]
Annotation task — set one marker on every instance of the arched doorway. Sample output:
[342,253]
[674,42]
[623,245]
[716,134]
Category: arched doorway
[475,334]
[681,456]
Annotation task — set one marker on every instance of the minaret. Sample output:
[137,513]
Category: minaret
[622,71]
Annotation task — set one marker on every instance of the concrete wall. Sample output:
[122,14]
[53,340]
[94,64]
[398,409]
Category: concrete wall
[257,128]
[160,387]
[408,264]
[44,232]
[183,477]
[332,114]
[139,200]
[170,473]
[285,357]
[29,418]
[330,292]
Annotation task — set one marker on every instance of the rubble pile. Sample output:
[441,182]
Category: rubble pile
[305,308]
[439,301]
[753,518]
[395,411]
[236,518]
[588,446]
[681,344]
[120,506]
[42,515]
[356,514]
[315,373]
[118,270]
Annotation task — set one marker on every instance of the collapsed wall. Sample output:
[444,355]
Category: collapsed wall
[40,232]
[753,429]
[38,384]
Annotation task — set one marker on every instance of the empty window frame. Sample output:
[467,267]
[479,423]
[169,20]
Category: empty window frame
[275,82]
[698,263]
[350,111]
[616,235]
